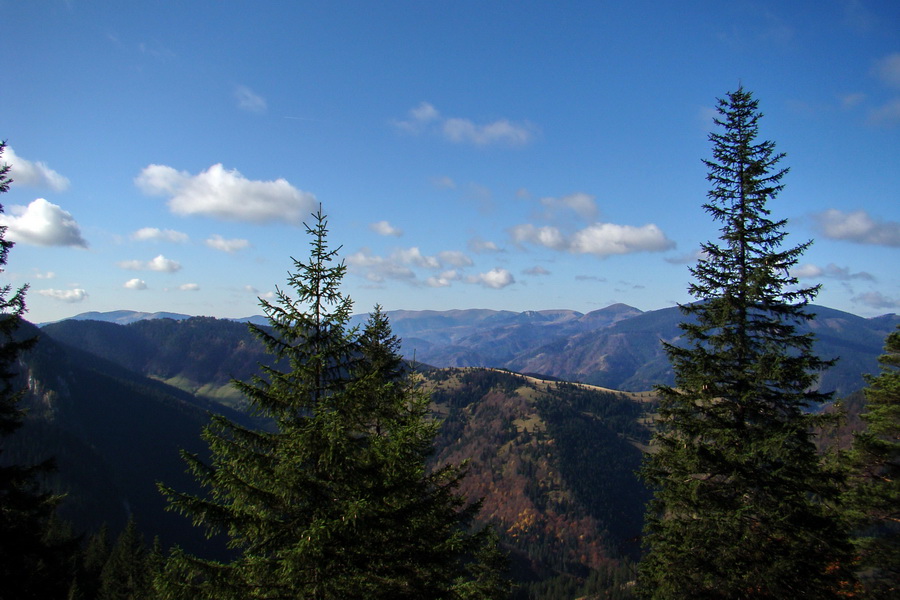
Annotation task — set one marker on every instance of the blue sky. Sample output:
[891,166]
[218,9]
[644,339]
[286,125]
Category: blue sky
[504,155]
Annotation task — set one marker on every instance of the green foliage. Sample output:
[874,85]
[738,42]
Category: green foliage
[125,574]
[124,570]
[741,503]
[335,500]
[589,430]
[93,558]
[874,497]
[612,581]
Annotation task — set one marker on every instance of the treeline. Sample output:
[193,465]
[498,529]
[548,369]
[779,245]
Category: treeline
[121,569]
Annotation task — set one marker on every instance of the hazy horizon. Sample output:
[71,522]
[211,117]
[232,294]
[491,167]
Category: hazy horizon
[359,313]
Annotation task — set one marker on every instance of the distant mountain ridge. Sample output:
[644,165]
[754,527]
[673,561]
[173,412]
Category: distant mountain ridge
[126,317]
[616,347]
[440,319]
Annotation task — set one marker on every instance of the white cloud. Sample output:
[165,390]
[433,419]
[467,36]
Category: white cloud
[163,264]
[502,131]
[132,265]
[498,132]
[44,275]
[153,234]
[414,256]
[536,270]
[581,203]
[36,174]
[136,284]
[888,69]
[600,239]
[257,293]
[454,258]
[689,258]
[189,287]
[604,239]
[70,296]
[248,100]
[418,118]
[160,263]
[859,227]
[547,236]
[481,246]
[495,278]
[809,271]
[162,180]
[217,242]
[400,263]
[43,223]
[424,113]
[227,195]
[385,228]
[445,279]
[876,300]
[378,268]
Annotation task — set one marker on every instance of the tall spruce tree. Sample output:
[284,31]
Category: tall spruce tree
[335,501]
[741,498]
[126,574]
[31,564]
[874,496]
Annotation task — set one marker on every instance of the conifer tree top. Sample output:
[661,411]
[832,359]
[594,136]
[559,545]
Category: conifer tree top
[741,499]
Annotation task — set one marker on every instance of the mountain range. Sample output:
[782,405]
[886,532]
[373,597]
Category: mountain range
[615,347]
[551,409]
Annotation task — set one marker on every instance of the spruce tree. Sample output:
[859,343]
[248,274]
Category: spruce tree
[125,575]
[742,501]
[874,496]
[334,501]
[31,565]
[93,558]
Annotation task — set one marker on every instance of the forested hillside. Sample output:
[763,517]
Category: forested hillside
[553,461]
[200,355]
[113,434]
